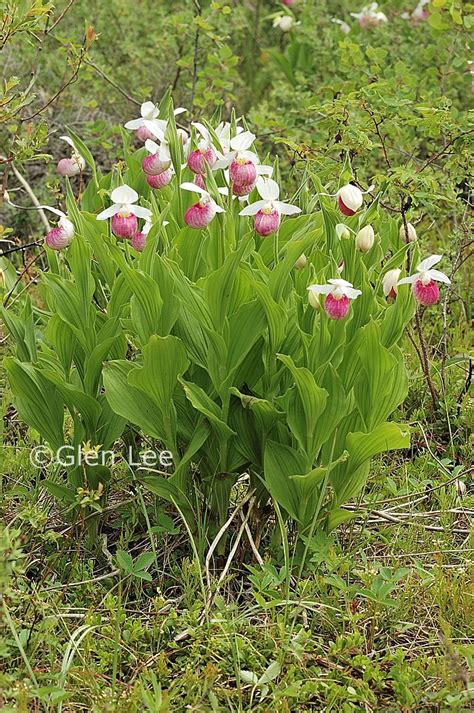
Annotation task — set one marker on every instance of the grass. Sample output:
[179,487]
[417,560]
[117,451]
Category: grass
[379,619]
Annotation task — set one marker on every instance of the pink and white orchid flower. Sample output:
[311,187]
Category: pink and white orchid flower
[338,293]
[241,162]
[269,210]
[148,126]
[124,212]
[205,152]
[423,282]
[60,236]
[200,214]
[71,166]
[370,16]
[159,159]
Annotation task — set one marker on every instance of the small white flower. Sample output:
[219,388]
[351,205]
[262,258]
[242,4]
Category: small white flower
[425,274]
[124,199]
[269,191]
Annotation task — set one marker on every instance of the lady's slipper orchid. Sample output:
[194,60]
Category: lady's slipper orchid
[242,163]
[421,12]
[343,26]
[350,198]
[284,22]
[204,153]
[159,159]
[155,128]
[408,235]
[269,210]
[338,295]
[123,212]
[61,236]
[365,239]
[138,240]
[423,283]
[71,166]
[288,3]
[200,214]
[390,283]
[370,16]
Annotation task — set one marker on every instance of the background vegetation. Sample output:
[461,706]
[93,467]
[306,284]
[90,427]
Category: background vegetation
[380,617]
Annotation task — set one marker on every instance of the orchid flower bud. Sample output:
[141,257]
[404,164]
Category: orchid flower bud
[138,241]
[409,235]
[284,22]
[460,487]
[288,3]
[183,136]
[61,236]
[365,239]
[342,231]
[301,262]
[313,300]
[350,199]
[390,283]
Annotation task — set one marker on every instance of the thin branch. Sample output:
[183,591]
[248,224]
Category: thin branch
[102,74]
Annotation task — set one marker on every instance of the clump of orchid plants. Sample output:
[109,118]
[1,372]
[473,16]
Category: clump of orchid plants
[241,346]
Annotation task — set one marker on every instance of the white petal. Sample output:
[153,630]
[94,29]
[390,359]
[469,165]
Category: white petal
[263,170]
[141,212]
[151,146]
[124,194]
[253,208]
[188,186]
[134,124]
[286,208]
[351,292]
[218,208]
[438,276]
[243,141]
[179,110]
[223,162]
[268,189]
[155,128]
[428,263]
[149,110]
[250,156]
[202,130]
[69,141]
[321,289]
[340,282]
[408,280]
[56,211]
[108,212]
